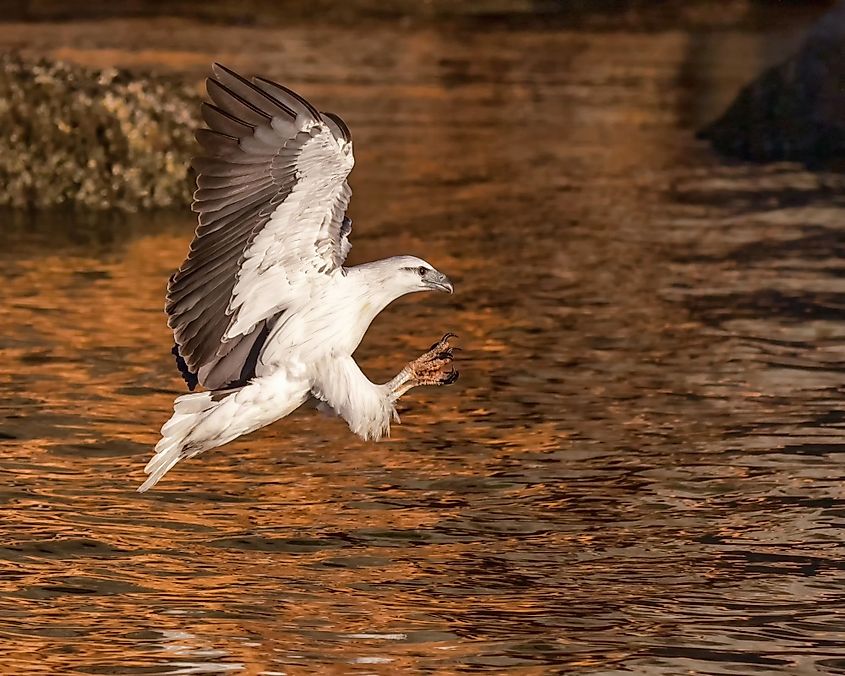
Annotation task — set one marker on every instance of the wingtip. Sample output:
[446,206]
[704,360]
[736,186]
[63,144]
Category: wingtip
[217,68]
[258,80]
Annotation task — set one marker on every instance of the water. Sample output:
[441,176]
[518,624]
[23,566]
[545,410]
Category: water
[640,470]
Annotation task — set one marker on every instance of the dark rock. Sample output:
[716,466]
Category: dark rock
[795,110]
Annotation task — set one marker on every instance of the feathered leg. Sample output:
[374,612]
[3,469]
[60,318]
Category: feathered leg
[369,408]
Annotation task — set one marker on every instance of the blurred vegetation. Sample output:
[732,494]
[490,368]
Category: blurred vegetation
[630,13]
[269,11]
[99,139]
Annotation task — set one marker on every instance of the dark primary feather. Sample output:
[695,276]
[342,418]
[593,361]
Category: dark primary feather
[253,95]
[220,120]
[248,167]
[296,104]
[341,126]
[234,105]
[189,378]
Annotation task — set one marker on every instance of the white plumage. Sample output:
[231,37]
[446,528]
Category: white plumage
[264,313]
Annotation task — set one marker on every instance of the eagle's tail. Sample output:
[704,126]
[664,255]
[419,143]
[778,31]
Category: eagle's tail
[179,435]
[205,420]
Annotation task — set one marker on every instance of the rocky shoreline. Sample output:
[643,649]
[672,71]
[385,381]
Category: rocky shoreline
[94,138]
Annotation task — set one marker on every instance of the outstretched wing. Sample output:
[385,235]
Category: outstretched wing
[271,197]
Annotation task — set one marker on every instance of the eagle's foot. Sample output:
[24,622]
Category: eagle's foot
[432,368]
[435,366]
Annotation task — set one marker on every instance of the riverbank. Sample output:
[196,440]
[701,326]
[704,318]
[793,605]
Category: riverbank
[95,138]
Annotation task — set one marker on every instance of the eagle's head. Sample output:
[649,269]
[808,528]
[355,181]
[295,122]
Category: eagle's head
[415,274]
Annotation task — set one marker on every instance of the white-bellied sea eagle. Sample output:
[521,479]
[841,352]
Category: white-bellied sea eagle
[264,313]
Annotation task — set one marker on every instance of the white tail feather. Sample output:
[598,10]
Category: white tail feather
[189,411]
[205,420]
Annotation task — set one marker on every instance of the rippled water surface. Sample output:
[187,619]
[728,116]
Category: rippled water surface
[640,470]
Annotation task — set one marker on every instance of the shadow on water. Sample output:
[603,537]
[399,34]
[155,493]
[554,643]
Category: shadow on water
[29,234]
[639,470]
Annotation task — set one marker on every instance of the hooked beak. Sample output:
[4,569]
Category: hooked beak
[440,282]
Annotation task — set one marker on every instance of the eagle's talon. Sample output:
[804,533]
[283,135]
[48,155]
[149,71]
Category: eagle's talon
[443,342]
[435,367]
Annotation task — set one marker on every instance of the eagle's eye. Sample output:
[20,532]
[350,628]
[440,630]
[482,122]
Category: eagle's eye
[422,270]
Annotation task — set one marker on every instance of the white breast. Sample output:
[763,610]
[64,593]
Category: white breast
[331,321]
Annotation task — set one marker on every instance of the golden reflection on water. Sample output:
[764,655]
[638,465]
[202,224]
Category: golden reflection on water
[639,468]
